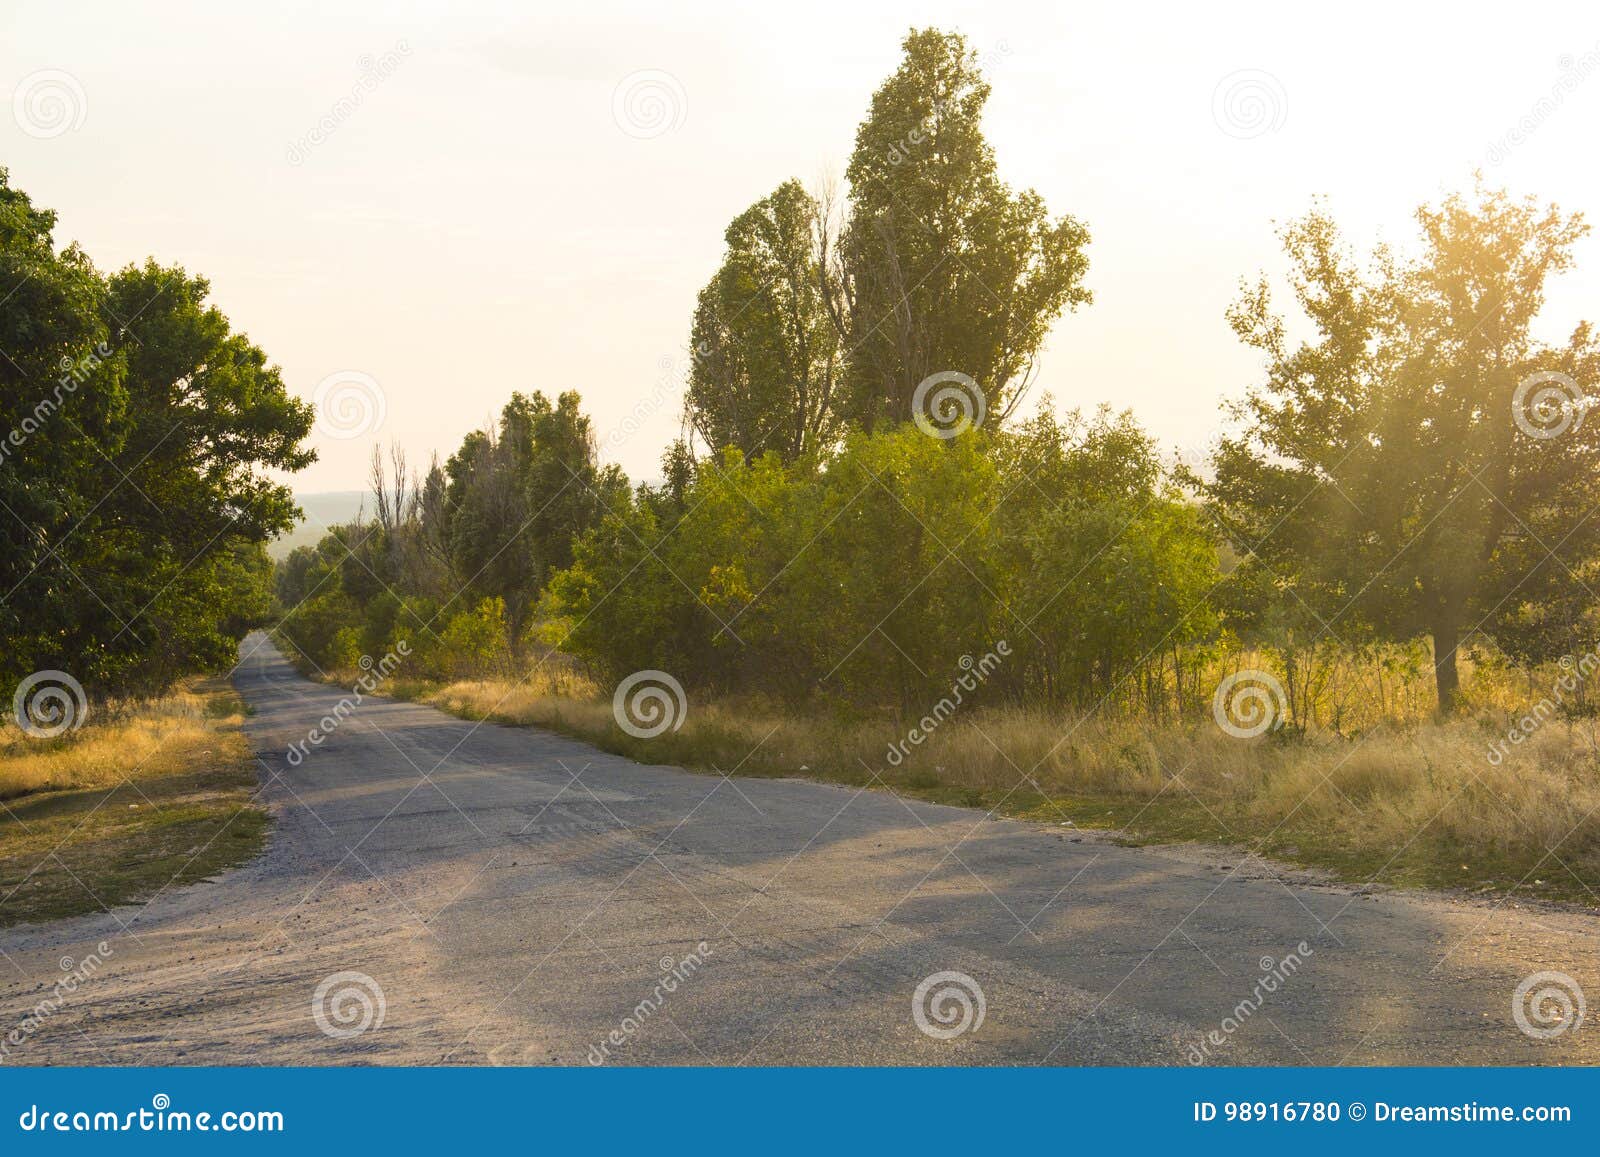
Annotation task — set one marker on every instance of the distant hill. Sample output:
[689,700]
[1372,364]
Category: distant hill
[321,511]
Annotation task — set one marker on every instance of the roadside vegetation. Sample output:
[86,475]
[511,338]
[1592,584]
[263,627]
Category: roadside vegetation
[143,797]
[1315,641]
[136,429]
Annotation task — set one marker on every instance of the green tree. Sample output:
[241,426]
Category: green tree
[491,548]
[61,395]
[1106,564]
[557,466]
[617,606]
[137,429]
[1406,471]
[516,497]
[766,354]
[941,266]
[864,583]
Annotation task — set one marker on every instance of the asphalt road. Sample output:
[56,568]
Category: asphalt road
[520,898]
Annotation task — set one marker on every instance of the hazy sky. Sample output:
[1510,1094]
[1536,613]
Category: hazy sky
[488,212]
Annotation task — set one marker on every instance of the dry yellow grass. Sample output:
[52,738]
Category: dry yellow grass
[143,797]
[125,740]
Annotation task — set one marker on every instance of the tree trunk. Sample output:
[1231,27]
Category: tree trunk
[1445,677]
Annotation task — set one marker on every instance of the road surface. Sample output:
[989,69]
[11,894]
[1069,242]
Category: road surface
[439,891]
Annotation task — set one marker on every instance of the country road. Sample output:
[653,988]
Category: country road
[521,898]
